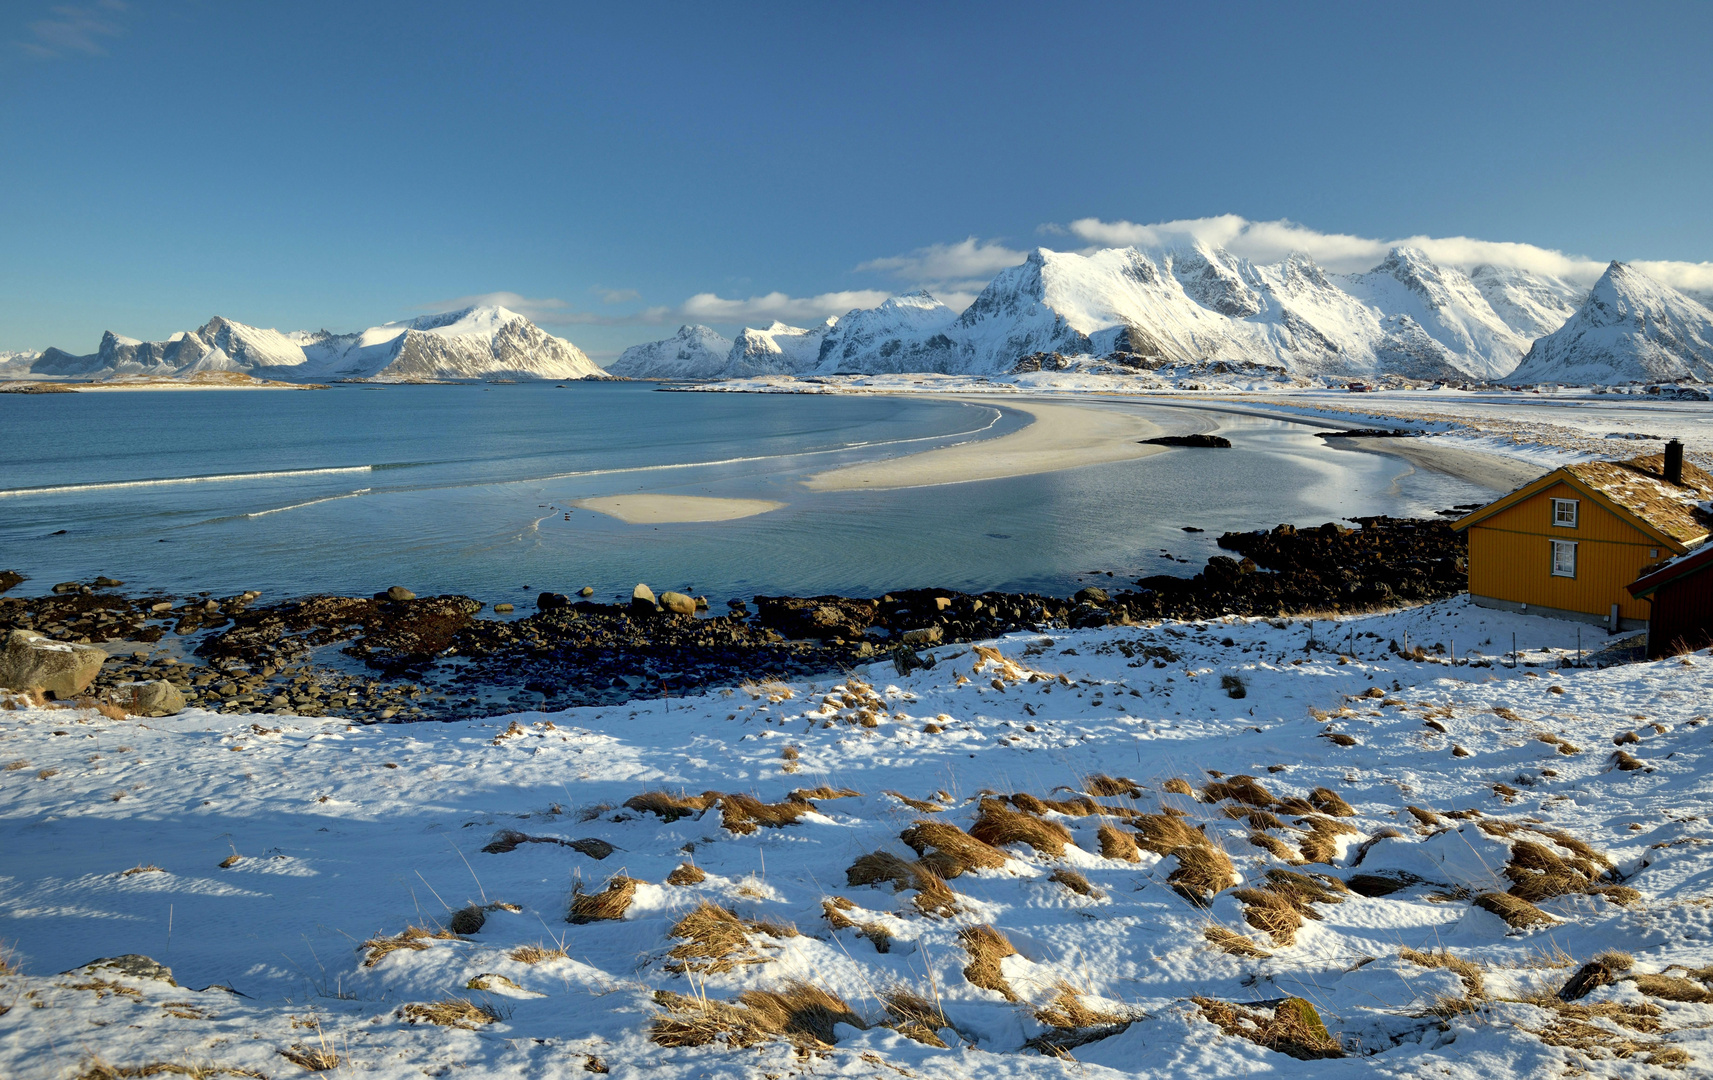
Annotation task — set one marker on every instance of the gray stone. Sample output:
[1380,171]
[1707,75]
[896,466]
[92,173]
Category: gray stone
[1091,595]
[155,698]
[678,603]
[503,609]
[928,635]
[30,661]
[642,598]
[399,592]
[587,590]
[132,965]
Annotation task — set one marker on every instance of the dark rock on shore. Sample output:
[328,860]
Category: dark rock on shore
[9,579]
[1211,442]
[1368,433]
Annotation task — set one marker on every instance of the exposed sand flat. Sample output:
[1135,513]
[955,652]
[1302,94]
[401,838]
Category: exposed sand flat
[641,509]
[1060,437]
[1491,471]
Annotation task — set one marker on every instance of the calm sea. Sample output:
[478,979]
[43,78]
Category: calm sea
[467,489]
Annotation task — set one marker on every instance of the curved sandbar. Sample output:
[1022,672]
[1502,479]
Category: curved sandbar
[1061,436]
[641,509]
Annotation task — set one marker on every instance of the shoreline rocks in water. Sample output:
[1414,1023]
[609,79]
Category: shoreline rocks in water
[431,657]
[1209,442]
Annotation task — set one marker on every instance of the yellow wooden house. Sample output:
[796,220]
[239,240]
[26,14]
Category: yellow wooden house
[1568,544]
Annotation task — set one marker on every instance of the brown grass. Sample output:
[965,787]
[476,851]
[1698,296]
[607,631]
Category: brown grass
[822,792]
[686,874]
[959,851]
[1115,843]
[987,947]
[915,1017]
[1243,789]
[933,895]
[671,807]
[1203,871]
[1178,786]
[14,766]
[1426,817]
[743,814]
[1067,1010]
[1516,912]
[1672,988]
[1076,882]
[151,868]
[610,903]
[311,1058]
[412,938]
[834,910]
[1000,825]
[921,806]
[1293,1028]
[1277,848]
[1082,806]
[96,1069]
[1163,833]
[453,1012]
[1270,912]
[713,939]
[1320,843]
[1327,801]
[803,1014]
[536,954]
[1108,787]
[1236,944]
[1470,972]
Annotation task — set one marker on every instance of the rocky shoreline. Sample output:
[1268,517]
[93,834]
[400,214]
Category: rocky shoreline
[395,657]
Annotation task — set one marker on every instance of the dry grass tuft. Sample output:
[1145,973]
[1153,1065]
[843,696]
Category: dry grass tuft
[999,825]
[1293,1028]
[1203,872]
[1236,944]
[311,1058]
[1076,882]
[1272,913]
[743,814]
[14,766]
[1517,912]
[1466,970]
[96,1069]
[671,807]
[987,947]
[1067,1010]
[453,1012]
[1426,817]
[933,895]
[1277,848]
[1108,787]
[1082,806]
[412,938]
[610,903]
[686,874]
[822,792]
[713,939]
[1327,801]
[921,806]
[915,1017]
[1163,833]
[1320,843]
[536,954]
[1672,988]
[1115,843]
[151,868]
[800,1013]
[1178,786]
[956,851]
[879,936]
[1243,789]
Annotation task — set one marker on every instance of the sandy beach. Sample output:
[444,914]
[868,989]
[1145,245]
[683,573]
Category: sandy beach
[1059,437]
[644,509]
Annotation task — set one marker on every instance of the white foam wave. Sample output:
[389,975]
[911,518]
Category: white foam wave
[111,485]
[312,502]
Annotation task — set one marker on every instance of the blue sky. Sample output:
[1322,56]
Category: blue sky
[622,168]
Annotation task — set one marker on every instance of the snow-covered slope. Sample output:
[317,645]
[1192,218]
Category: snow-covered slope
[476,342]
[695,352]
[777,350]
[1630,329]
[901,334]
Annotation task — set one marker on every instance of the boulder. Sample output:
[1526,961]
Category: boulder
[586,590]
[548,601]
[642,598]
[10,579]
[1092,595]
[503,609]
[399,592]
[131,965]
[927,635]
[677,603]
[30,661]
[155,698]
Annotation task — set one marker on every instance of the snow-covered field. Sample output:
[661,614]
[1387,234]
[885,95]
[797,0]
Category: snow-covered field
[278,864]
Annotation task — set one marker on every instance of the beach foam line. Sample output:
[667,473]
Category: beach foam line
[311,502]
[162,481]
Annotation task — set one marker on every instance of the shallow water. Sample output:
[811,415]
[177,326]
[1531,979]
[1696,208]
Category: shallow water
[467,489]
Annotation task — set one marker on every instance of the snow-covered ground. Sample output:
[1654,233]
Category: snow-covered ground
[257,855]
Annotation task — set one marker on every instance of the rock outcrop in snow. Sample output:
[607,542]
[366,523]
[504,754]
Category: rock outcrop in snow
[477,342]
[1630,329]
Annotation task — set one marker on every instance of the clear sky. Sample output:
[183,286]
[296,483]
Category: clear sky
[622,168]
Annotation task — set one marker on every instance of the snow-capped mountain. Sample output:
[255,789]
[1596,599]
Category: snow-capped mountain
[901,334]
[477,342]
[695,352]
[777,350]
[1630,329]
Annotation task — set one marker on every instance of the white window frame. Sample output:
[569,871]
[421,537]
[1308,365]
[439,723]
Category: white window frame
[1558,506]
[1560,547]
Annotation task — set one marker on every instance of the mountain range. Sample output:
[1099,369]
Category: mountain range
[476,342]
[1201,305]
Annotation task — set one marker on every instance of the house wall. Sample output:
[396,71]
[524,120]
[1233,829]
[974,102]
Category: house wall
[1510,557]
[1682,613]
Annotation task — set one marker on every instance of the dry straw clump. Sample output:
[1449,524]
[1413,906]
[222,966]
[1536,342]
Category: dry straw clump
[1115,843]
[878,936]
[1320,843]
[1516,912]
[1178,786]
[1467,970]
[686,874]
[743,814]
[987,947]
[1236,944]
[999,825]
[1076,882]
[1081,806]
[536,954]
[800,1013]
[670,807]
[713,939]
[1203,872]
[453,1012]
[953,851]
[1067,1010]
[915,1017]
[310,1058]
[933,895]
[610,903]
[1108,787]
[921,806]
[1294,1027]
[96,1069]
[412,938]
[1280,906]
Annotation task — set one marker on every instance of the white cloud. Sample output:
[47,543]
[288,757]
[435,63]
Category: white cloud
[801,310]
[615,296]
[72,28]
[968,258]
[1271,241]
[552,311]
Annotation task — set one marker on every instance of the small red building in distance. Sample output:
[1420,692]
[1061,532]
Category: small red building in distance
[1680,594]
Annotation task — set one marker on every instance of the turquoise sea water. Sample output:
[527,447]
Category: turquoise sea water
[466,489]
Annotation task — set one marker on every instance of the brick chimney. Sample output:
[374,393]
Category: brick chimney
[1674,462]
